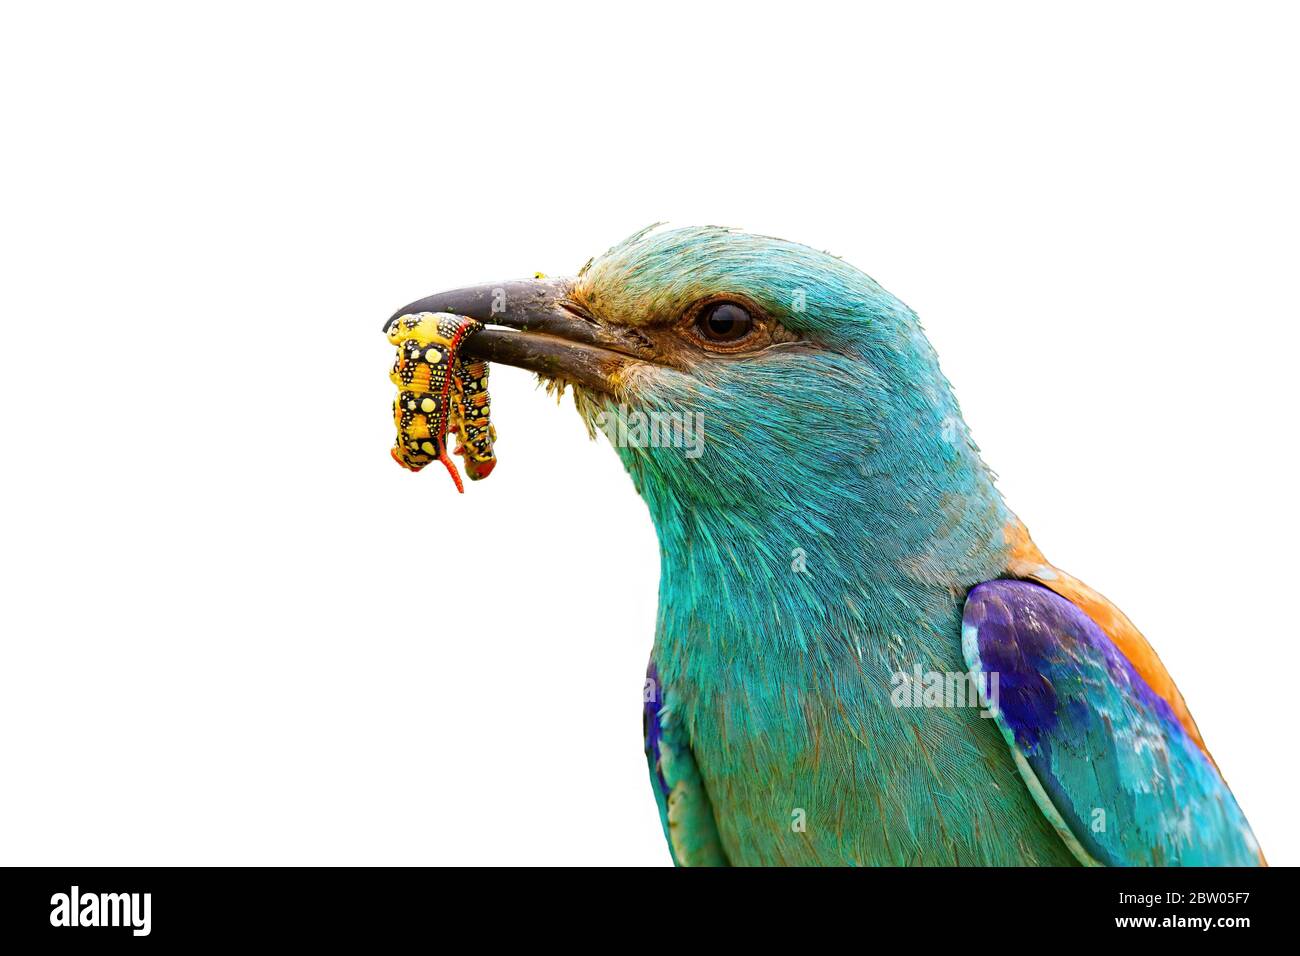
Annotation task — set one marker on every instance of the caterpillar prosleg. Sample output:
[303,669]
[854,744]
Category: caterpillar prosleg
[440,392]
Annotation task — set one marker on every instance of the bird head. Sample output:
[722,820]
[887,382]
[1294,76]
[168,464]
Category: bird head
[731,371]
[780,413]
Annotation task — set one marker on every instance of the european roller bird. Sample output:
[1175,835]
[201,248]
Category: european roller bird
[837,567]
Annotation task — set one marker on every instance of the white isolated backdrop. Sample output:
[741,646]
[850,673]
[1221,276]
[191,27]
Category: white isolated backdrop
[221,643]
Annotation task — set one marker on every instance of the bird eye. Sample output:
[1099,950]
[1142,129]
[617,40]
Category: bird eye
[724,322]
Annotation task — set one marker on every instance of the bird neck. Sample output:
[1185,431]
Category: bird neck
[880,558]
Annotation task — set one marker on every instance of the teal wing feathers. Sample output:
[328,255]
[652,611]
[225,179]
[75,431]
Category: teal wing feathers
[684,808]
[1106,759]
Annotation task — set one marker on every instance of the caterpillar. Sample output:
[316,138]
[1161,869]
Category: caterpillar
[440,392]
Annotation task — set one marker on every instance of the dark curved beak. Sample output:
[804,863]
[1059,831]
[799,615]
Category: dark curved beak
[545,331]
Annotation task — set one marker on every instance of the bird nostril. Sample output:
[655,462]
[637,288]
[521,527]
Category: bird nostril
[578,312]
[639,338]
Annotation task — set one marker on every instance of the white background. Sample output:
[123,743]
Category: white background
[222,644]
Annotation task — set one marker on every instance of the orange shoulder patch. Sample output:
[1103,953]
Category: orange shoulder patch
[1028,562]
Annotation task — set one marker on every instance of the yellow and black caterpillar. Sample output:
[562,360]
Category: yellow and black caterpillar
[440,392]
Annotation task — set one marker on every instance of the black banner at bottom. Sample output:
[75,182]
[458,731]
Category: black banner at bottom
[211,905]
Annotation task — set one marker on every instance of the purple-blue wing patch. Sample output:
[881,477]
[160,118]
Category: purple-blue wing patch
[684,808]
[654,731]
[1105,757]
